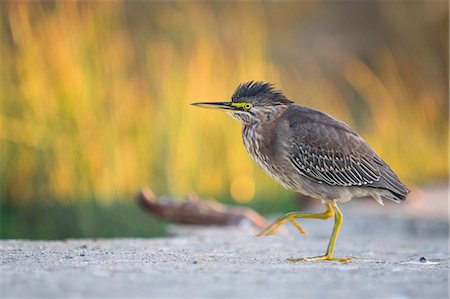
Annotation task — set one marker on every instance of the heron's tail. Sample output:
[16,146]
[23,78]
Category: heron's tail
[389,181]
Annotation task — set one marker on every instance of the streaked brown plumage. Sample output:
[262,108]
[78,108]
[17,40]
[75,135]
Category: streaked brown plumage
[309,151]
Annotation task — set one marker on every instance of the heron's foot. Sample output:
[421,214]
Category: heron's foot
[271,229]
[298,227]
[321,258]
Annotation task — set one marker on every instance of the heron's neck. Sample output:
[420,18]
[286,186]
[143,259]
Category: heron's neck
[265,115]
[253,129]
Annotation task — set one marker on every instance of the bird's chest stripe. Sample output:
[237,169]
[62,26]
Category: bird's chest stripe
[254,144]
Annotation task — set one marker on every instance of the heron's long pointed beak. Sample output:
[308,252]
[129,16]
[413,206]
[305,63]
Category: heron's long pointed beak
[215,105]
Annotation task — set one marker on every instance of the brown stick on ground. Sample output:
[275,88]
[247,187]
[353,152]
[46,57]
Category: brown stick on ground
[197,211]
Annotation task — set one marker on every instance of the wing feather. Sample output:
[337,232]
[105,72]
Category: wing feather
[328,151]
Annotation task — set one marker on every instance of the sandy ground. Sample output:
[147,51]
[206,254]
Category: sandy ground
[231,263]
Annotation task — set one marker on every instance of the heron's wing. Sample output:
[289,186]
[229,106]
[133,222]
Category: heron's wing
[328,151]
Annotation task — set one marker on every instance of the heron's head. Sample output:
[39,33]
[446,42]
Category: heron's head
[252,102]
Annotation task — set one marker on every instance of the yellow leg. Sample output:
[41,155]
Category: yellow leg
[329,254]
[271,229]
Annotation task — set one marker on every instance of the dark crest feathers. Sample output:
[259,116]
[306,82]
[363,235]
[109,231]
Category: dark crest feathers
[262,91]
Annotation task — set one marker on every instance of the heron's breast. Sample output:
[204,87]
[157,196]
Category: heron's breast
[259,151]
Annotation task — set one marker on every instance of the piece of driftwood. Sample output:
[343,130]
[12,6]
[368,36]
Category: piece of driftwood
[196,211]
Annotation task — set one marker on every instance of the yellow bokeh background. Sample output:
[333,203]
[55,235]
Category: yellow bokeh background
[95,95]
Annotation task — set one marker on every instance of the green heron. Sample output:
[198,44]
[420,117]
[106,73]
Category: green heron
[310,152]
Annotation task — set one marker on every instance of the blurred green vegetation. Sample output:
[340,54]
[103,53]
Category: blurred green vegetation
[95,100]
[88,218]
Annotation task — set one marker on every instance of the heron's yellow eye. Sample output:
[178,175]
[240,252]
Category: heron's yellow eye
[247,106]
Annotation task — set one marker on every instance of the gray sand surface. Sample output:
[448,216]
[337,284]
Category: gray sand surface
[387,243]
